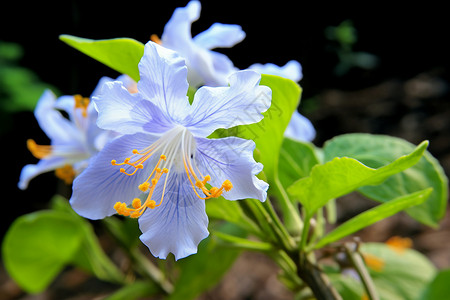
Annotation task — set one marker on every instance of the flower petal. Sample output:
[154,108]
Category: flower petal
[163,80]
[243,102]
[44,165]
[179,224]
[291,70]
[232,158]
[101,185]
[300,128]
[177,32]
[126,113]
[59,129]
[220,36]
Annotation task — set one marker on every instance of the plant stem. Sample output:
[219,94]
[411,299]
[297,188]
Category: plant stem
[291,214]
[316,280]
[358,263]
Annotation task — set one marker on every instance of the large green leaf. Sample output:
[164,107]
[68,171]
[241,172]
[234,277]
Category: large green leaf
[120,54]
[37,246]
[296,161]
[344,175]
[404,274]
[377,150]
[373,215]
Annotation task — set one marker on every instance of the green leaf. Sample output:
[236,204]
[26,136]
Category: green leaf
[37,246]
[90,256]
[344,175]
[373,215]
[377,150]
[404,275]
[439,288]
[296,161]
[120,54]
[243,243]
[203,270]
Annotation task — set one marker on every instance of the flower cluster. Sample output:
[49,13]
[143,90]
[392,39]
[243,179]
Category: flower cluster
[141,150]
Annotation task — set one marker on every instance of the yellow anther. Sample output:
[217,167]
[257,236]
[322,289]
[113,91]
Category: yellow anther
[81,103]
[140,166]
[154,38]
[136,203]
[215,192]
[158,170]
[206,179]
[144,186]
[199,184]
[66,173]
[163,157]
[227,185]
[113,162]
[151,204]
[117,206]
[122,170]
[39,151]
[154,181]
[165,170]
[135,215]
[135,151]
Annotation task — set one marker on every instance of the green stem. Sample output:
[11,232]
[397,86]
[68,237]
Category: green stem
[278,227]
[360,267]
[290,212]
[305,231]
[151,270]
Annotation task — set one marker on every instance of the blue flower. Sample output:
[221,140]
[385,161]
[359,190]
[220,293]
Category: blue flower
[164,167]
[207,67]
[204,65]
[74,140]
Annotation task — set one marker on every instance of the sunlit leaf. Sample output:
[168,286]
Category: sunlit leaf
[373,215]
[344,175]
[377,150]
[120,54]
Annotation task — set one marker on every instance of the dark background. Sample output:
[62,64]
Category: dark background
[407,40]
[406,95]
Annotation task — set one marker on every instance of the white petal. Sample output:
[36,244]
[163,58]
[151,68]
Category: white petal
[232,159]
[101,185]
[179,224]
[177,32]
[291,70]
[243,102]
[300,128]
[220,36]
[163,80]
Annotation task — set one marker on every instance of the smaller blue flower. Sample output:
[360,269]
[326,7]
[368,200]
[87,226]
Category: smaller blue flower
[204,65]
[210,68]
[74,140]
[163,168]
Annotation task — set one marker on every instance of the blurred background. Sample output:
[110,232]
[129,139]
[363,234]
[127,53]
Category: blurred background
[367,68]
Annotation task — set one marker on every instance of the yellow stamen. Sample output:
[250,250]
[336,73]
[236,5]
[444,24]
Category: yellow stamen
[154,38]
[82,104]
[399,244]
[66,173]
[39,151]
[148,185]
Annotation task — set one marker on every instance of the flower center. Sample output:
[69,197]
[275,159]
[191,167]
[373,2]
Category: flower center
[82,104]
[176,150]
